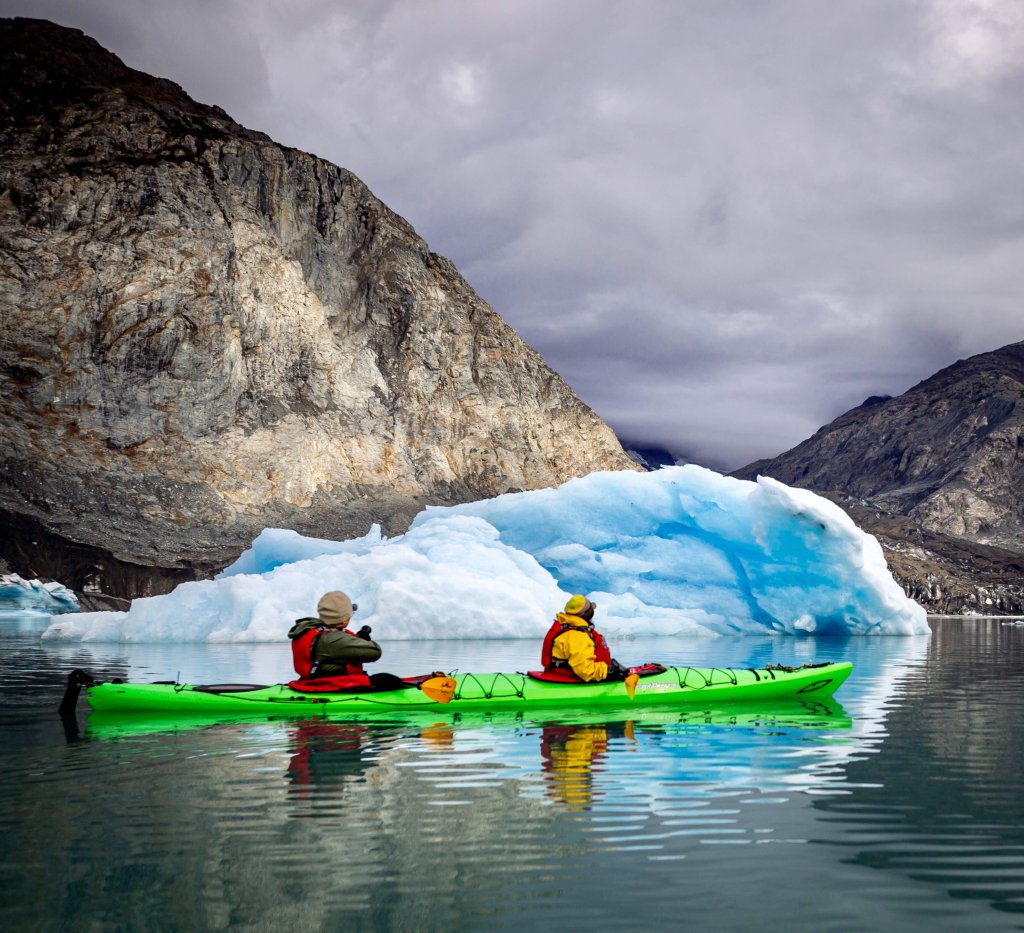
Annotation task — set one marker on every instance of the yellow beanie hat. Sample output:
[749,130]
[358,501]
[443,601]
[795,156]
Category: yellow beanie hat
[578,605]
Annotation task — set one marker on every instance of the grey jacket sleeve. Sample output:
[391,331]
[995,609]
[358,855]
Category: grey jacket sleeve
[341,647]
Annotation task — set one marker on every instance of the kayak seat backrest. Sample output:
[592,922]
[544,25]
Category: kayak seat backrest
[648,670]
[562,675]
[420,678]
[228,688]
[557,676]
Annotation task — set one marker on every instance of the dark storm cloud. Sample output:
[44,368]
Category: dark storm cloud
[723,223]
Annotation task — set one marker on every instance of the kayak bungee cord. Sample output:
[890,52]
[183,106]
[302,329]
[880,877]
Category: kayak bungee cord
[517,690]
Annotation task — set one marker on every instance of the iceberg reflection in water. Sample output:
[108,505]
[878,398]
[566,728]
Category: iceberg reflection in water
[893,806]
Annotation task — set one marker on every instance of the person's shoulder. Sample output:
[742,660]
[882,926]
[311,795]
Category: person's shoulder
[302,625]
[574,634]
[339,634]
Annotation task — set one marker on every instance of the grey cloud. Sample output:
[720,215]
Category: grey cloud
[723,223]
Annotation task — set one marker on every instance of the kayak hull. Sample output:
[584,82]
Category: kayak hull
[810,714]
[677,686]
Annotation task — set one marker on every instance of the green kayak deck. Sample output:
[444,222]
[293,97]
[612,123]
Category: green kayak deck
[676,686]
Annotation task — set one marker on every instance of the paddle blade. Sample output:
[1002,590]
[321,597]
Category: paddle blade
[439,689]
[631,681]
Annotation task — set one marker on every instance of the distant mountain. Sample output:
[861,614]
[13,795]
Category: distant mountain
[948,453]
[873,400]
[944,462]
[650,458]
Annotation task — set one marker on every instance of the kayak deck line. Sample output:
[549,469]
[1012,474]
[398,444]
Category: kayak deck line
[475,691]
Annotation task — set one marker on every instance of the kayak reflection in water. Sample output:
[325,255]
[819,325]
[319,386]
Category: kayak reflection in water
[328,656]
[571,754]
[574,650]
[327,753]
[328,757]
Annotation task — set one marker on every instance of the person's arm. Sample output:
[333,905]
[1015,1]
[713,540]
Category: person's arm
[581,657]
[339,646]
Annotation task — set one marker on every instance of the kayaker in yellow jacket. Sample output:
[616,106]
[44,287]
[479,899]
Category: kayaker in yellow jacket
[573,642]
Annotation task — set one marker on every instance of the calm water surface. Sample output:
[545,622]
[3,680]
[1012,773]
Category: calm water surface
[900,808]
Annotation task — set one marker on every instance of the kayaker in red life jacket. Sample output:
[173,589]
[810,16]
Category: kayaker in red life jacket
[323,647]
[573,644]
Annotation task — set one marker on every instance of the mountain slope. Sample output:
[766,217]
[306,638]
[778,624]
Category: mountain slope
[207,333]
[948,453]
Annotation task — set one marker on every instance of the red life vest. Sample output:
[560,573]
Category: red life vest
[303,650]
[601,652]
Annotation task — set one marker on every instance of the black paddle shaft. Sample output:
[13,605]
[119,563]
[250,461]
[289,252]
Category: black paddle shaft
[76,680]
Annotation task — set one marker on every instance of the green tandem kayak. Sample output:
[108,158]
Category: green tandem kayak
[676,686]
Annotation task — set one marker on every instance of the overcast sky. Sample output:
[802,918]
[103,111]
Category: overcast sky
[724,223]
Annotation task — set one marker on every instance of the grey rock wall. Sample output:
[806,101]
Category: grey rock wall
[206,333]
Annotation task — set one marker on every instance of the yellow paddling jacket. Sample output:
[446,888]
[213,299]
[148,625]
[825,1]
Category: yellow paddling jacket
[577,648]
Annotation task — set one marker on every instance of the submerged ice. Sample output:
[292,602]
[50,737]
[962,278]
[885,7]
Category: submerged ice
[681,550]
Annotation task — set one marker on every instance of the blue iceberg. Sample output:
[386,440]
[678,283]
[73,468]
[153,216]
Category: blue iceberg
[683,550]
[20,595]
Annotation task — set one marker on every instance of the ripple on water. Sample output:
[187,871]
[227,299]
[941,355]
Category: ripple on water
[904,814]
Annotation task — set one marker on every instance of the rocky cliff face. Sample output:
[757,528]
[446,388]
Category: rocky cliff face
[206,333]
[937,474]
